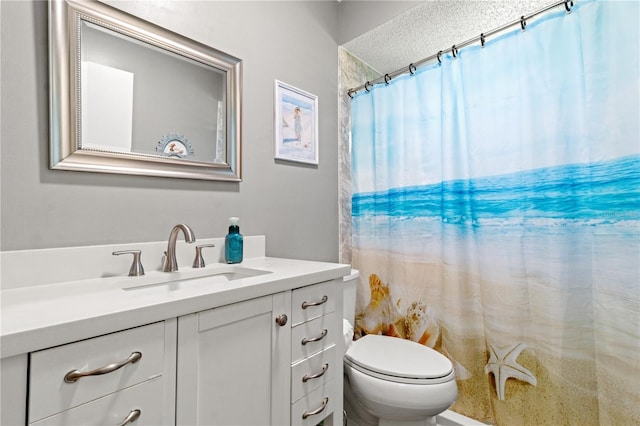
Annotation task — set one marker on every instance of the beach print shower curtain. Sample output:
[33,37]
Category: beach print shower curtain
[496,217]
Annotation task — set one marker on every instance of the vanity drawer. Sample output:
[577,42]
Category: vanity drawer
[319,402]
[312,302]
[312,336]
[310,373]
[114,409]
[50,394]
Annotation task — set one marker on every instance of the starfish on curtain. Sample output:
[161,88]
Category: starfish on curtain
[503,365]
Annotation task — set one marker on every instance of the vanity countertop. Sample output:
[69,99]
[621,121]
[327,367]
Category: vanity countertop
[43,316]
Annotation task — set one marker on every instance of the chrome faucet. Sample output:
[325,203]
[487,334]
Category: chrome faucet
[170,262]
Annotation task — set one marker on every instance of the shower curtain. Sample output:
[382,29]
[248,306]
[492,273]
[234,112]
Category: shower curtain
[496,217]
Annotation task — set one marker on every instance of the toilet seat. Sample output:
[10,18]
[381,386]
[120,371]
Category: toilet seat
[398,360]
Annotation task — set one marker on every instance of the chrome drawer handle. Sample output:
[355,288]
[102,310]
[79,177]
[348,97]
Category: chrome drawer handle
[324,299]
[306,414]
[315,339]
[308,377]
[73,376]
[132,417]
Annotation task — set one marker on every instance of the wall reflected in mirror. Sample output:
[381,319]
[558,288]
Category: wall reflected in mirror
[138,98]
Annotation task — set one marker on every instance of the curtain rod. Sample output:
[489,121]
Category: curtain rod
[411,69]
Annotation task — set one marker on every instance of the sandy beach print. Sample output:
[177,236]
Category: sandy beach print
[578,383]
[527,282]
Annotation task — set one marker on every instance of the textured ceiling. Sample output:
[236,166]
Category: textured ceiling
[432,26]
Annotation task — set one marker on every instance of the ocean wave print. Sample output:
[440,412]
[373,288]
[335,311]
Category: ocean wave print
[598,193]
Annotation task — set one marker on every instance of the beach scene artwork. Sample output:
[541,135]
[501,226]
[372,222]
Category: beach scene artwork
[533,310]
[496,218]
[296,124]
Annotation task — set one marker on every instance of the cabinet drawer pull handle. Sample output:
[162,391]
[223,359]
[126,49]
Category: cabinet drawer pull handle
[315,339]
[73,376]
[132,417]
[324,299]
[308,377]
[306,414]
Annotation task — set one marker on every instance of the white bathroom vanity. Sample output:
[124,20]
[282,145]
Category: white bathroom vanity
[255,343]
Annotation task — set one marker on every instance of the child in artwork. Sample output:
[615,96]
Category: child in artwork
[297,123]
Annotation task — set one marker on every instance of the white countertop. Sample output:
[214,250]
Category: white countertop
[42,316]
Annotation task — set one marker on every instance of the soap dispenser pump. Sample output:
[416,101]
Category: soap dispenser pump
[233,242]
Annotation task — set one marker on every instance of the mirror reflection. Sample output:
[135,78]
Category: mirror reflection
[138,98]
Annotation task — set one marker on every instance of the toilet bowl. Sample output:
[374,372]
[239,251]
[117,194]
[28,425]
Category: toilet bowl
[399,380]
[393,381]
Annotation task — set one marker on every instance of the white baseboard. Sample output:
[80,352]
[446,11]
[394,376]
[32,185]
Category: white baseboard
[451,418]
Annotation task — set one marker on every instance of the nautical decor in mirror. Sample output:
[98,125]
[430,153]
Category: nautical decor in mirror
[175,145]
[130,97]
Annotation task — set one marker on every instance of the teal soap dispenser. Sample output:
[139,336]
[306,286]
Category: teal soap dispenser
[233,242]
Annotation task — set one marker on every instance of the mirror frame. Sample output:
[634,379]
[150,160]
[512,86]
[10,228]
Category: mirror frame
[65,17]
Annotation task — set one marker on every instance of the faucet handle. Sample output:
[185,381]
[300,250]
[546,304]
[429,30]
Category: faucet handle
[136,269]
[198,262]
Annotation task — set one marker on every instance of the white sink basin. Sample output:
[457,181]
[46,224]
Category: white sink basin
[177,280]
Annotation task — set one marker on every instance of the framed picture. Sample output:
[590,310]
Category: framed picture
[296,124]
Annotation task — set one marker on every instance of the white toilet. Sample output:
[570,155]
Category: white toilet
[392,381]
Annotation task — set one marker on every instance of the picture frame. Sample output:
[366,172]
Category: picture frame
[296,124]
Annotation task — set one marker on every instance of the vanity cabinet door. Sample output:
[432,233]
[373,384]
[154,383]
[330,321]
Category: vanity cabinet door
[234,364]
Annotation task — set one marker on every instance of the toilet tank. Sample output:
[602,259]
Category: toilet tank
[349,295]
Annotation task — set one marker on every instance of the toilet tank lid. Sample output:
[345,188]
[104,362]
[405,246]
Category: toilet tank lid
[397,357]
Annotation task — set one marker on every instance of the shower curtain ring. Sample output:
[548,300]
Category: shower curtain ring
[523,22]
[350,92]
[367,87]
[454,51]
[568,4]
[387,79]
[438,56]
[482,40]
[412,69]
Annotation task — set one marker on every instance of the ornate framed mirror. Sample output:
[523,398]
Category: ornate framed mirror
[130,97]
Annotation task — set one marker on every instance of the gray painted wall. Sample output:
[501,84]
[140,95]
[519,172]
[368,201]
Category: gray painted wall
[294,205]
[358,17]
